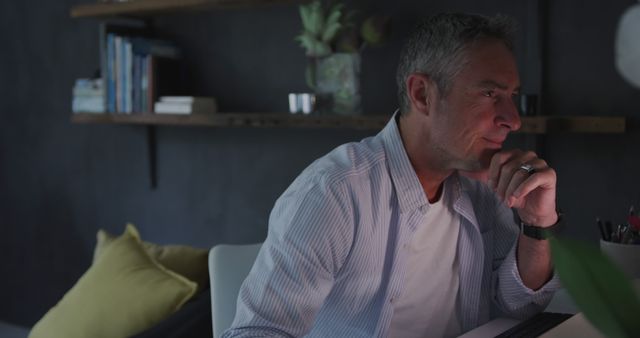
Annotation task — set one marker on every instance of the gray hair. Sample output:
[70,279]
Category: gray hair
[437,47]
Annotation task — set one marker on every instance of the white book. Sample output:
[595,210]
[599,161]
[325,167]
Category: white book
[171,108]
[186,99]
[87,92]
[198,107]
[88,105]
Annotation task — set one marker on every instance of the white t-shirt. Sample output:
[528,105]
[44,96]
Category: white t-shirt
[427,305]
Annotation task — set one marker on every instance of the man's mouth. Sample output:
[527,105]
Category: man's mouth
[494,143]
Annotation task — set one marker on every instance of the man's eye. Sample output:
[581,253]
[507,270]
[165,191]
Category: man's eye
[488,93]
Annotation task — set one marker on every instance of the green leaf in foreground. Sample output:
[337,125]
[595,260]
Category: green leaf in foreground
[598,287]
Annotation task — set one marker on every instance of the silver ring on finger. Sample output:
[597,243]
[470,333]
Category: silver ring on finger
[528,168]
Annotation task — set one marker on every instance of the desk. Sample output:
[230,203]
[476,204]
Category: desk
[560,303]
[578,324]
[492,328]
[574,326]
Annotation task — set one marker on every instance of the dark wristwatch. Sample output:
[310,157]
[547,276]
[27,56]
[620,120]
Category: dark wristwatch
[537,232]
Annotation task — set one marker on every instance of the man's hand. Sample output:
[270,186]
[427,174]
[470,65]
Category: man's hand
[532,194]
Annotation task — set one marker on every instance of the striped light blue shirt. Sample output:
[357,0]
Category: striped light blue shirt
[333,261]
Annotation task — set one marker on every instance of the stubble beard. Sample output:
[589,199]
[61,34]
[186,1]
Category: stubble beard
[477,163]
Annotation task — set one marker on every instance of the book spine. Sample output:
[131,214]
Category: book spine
[118,73]
[123,76]
[150,82]
[129,76]
[104,56]
[140,80]
[136,83]
[110,74]
[144,83]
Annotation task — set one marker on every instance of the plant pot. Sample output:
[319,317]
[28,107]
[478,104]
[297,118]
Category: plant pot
[626,256]
[337,84]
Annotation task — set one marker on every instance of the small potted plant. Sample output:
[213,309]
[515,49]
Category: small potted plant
[333,43]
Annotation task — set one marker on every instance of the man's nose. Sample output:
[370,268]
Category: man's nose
[507,115]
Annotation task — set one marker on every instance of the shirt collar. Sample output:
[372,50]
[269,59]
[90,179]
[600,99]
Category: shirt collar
[408,188]
[404,178]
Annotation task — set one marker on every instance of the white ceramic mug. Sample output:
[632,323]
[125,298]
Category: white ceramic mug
[302,103]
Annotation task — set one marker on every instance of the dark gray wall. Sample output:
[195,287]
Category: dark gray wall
[598,174]
[61,182]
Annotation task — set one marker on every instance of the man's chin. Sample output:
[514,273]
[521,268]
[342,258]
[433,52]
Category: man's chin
[479,168]
[479,164]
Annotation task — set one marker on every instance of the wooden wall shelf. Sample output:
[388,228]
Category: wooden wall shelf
[256,120]
[573,124]
[532,125]
[142,8]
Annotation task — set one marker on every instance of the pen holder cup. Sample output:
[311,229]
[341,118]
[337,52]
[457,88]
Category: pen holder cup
[625,256]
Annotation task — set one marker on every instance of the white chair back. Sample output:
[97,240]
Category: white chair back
[229,265]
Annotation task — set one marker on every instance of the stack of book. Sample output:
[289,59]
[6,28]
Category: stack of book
[136,67]
[88,96]
[185,105]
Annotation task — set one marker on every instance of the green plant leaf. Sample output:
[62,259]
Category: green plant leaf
[335,13]
[332,24]
[313,46]
[598,287]
[305,11]
[316,18]
[306,41]
[331,31]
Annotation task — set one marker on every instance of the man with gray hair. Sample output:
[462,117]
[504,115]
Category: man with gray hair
[385,238]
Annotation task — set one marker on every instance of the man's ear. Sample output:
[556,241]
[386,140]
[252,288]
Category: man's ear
[420,92]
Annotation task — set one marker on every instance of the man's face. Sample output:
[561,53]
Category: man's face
[470,124]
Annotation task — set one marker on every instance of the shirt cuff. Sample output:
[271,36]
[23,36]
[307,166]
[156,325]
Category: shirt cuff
[515,294]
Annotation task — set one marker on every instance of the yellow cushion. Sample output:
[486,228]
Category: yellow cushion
[123,293]
[185,260]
